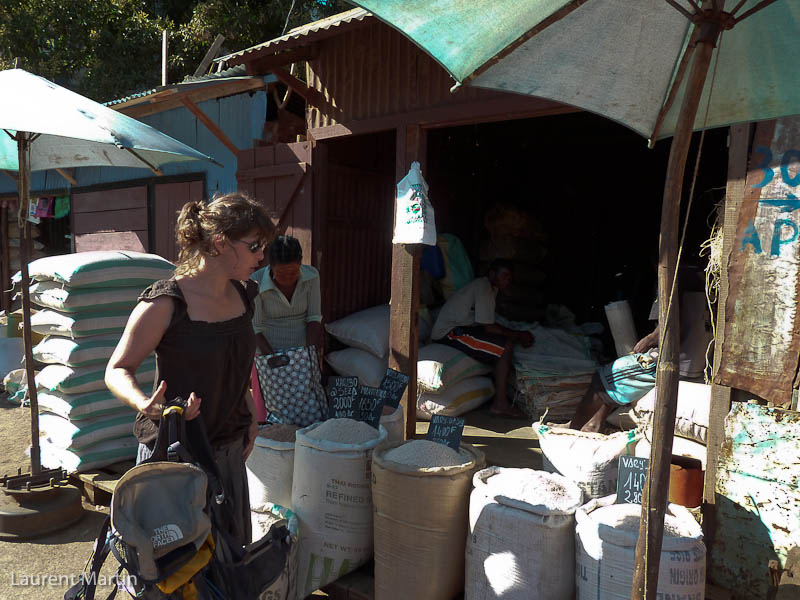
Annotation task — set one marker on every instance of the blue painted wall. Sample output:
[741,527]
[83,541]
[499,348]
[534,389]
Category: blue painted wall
[241,117]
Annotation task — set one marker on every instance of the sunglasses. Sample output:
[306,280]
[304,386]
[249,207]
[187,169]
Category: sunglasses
[254,247]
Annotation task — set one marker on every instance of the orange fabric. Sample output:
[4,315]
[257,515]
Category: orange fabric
[477,344]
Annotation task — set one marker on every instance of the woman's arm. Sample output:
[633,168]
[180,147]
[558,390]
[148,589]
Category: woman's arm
[145,328]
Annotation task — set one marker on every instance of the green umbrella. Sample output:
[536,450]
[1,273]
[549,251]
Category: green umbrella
[45,126]
[644,64]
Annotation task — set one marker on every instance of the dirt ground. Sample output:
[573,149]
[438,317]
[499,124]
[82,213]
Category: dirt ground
[42,568]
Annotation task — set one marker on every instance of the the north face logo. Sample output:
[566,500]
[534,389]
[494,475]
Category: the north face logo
[165,535]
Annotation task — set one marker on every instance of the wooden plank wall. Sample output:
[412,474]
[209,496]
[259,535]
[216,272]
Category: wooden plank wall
[111,220]
[374,71]
[169,199]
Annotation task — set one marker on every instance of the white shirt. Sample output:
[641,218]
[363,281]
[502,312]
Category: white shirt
[471,305]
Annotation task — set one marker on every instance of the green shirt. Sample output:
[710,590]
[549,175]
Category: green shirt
[283,321]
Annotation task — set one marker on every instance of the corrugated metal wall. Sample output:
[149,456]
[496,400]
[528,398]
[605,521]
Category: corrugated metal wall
[375,71]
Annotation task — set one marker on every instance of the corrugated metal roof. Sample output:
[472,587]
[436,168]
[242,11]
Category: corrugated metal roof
[233,73]
[300,36]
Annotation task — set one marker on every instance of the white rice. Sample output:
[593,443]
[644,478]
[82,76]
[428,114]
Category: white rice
[426,454]
[344,431]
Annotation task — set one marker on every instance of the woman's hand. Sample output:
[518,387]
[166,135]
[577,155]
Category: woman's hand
[154,405]
[250,439]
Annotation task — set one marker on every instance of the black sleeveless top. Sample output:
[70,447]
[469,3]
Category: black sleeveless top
[213,360]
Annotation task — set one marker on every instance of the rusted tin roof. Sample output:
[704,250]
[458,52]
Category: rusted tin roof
[301,36]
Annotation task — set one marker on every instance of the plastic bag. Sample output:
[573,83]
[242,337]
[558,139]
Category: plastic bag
[414,222]
[291,386]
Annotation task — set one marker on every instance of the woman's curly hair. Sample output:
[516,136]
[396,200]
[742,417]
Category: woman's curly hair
[231,215]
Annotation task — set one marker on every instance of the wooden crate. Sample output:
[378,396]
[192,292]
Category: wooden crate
[98,485]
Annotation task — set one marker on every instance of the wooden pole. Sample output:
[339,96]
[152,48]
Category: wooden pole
[23,188]
[404,320]
[164,56]
[5,273]
[654,501]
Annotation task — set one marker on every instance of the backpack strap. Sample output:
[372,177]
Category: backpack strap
[87,585]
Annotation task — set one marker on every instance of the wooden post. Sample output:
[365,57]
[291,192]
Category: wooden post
[404,323]
[5,268]
[164,56]
[23,188]
[721,395]
[654,500]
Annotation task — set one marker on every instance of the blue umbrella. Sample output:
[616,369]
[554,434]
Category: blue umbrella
[45,126]
[642,63]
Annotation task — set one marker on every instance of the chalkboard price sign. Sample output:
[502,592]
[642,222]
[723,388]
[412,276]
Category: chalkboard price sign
[632,475]
[342,394]
[359,402]
[394,383]
[446,430]
[341,381]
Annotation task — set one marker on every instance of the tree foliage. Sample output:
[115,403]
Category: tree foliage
[106,49]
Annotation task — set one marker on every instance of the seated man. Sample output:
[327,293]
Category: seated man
[630,377]
[466,322]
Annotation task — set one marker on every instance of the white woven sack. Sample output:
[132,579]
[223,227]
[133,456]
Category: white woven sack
[285,586]
[79,325]
[77,435]
[680,447]
[692,414]
[355,362]
[79,380]
[589,459]
[82,352]
[77,407]
[332,498]
[605,547]
[368,330]
[394,424]
[104,268]
[57,296]
[269,473]
[94,457]
[440,366]
[456,399]
[509,530]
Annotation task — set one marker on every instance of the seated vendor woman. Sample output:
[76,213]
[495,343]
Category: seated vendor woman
[288,310]
[467,323]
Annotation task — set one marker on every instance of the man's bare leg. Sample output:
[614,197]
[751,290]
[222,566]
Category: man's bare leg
[591,412]
[501,407]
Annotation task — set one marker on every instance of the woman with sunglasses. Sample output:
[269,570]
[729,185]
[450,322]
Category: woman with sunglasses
[199,324]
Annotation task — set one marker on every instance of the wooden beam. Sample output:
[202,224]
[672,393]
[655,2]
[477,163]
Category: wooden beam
[10,174]
[283,170]
[404,319]
[5,267]
[212,53]
[739,142]
[311,95]
[66,175]
[169,99]
[266,64]
[450,115]
[210,125]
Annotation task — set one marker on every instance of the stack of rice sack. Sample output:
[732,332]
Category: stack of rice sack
[553,375]
[515,235]
[37,250]
[366,335]
[85,301]
[449,382]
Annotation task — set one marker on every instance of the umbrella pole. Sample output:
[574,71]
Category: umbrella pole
[23,189]
[654,500]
